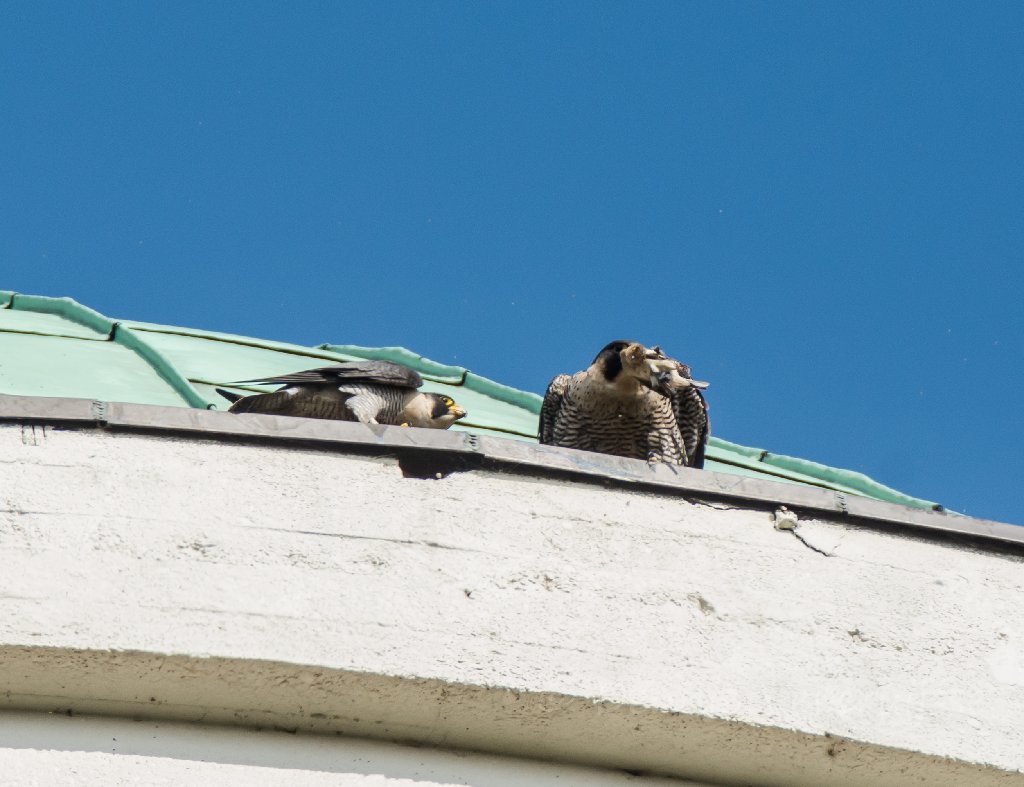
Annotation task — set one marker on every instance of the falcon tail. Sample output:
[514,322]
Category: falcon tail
[231,396]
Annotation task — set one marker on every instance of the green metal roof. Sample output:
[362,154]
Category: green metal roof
[58,347]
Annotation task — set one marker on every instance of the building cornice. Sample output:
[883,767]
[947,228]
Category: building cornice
[429,452]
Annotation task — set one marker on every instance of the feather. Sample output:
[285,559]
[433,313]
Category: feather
[365,372]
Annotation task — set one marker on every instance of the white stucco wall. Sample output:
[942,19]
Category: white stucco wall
[183,579]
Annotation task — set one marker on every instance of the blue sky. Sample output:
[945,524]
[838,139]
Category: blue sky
[819,206]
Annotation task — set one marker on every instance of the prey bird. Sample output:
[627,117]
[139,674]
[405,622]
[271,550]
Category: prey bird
[371,392]
[631,401]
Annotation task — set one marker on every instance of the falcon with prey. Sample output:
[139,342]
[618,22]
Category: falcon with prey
[371,392]
[631,401]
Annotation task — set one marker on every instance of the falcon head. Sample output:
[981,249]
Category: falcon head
[630,360]
[432,411]
[648,366]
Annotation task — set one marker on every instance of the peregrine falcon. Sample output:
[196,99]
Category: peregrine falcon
[370,392]
[631,401]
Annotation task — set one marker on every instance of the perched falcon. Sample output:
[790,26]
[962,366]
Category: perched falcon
[631,401]
[372,392]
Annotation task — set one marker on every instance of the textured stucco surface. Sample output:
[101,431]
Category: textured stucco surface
[725,647]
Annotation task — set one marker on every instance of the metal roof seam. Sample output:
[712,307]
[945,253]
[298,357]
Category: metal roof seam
[128,338]
[71,310]
[51,333]
[241,341]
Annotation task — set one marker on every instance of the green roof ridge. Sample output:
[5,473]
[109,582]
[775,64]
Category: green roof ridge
[851,479]
[131,339]
[5,299]
[505,393]
[736,448]
[67,308]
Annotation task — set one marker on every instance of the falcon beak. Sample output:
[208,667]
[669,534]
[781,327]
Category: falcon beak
[457,411]
[669,379]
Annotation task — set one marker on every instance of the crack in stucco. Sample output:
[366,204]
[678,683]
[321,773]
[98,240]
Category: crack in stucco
[809,545]
[410,542]
[717,506]
[785,520]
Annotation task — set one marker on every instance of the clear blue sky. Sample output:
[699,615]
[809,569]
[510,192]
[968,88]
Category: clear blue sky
[819,206]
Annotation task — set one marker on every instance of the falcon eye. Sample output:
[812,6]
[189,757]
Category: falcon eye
[448,402]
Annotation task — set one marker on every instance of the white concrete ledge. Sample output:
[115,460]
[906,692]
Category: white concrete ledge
[467,451]
[181,573]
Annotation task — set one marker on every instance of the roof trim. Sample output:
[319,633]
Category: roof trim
[441,451]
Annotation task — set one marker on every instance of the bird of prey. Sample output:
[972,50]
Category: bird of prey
[372,392]
[631,401]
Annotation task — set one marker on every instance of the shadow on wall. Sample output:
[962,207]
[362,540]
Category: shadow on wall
[34,744]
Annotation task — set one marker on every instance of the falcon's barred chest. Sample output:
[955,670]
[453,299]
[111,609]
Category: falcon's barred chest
[593,418]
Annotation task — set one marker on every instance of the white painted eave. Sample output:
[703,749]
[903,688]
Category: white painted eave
[186,565]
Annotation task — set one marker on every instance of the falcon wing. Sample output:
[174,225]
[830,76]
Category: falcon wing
[692,418]
[551,406]
[356,372]
[308,402]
